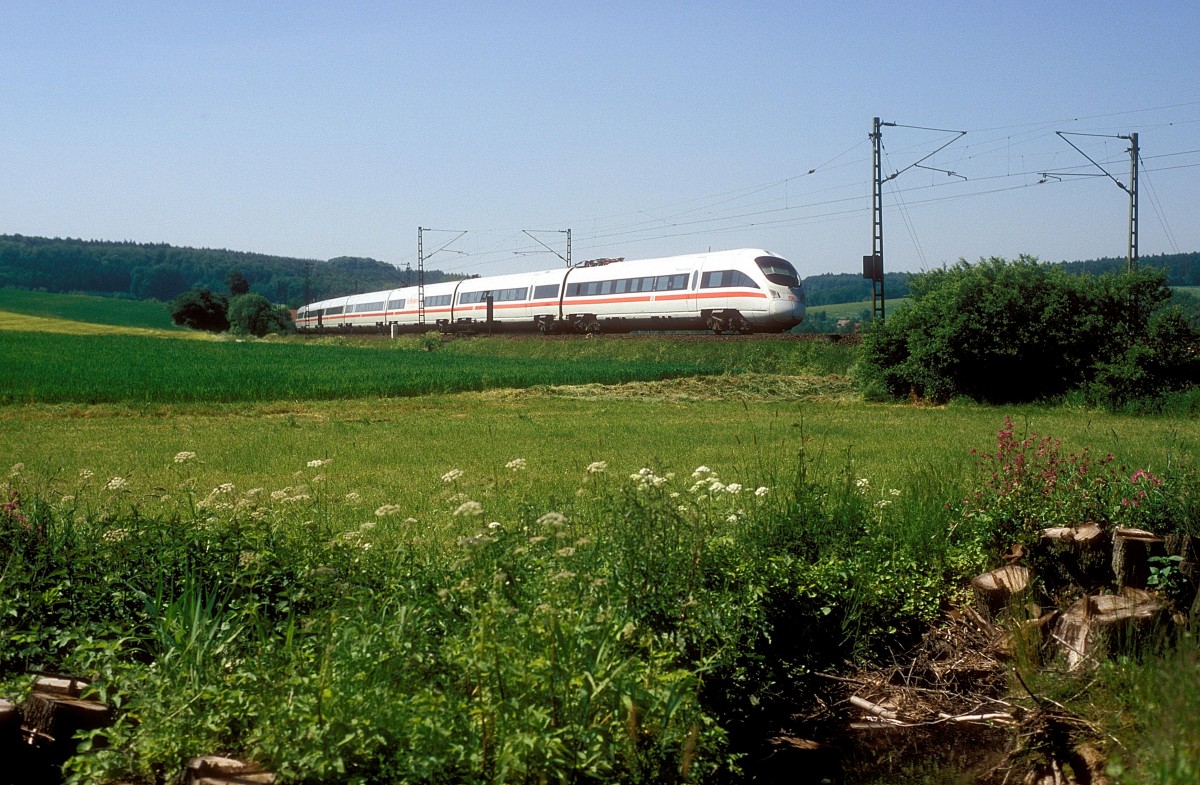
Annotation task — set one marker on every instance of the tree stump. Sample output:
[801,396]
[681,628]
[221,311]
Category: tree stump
[216,770]
[1095,624]
[996,588]
[52,715]
[1132,549]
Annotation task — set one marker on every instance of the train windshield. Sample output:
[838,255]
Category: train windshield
[778,271]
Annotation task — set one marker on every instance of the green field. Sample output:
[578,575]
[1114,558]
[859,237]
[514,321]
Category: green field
[88,309]
[593,560]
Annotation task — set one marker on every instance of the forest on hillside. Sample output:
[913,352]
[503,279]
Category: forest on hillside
[156,271]
[161,272]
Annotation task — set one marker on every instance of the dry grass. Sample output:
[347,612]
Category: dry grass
[757,387]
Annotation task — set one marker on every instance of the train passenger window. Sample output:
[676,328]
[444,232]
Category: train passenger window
[437,300]
[334,311]
[395,305]
[545,291]
[722,278]
[621,286]
[572,290]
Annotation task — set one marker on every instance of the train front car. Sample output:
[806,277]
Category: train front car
[786,291]
[748,290]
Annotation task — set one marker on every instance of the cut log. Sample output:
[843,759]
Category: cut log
[996,588]
[217,770]
[59,717]
[1090,627]
[68,686]
[1132,549]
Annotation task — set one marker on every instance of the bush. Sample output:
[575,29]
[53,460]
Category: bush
[200,309]
[252,314]
[1003,332]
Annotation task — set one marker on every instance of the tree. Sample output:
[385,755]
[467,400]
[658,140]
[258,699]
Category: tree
[200,309]
[237,283]
[1001,331]
[252,314]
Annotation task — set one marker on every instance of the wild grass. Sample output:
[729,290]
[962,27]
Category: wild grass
[111,368]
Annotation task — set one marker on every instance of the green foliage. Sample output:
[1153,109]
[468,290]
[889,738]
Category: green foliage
[252,314]
[1000,331]
[200,309]
[237,283]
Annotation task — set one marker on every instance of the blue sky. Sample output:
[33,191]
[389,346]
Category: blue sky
[647,128]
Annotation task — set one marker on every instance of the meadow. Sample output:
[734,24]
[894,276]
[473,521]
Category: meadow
[574,561]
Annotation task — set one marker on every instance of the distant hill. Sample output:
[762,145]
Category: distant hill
[161,272]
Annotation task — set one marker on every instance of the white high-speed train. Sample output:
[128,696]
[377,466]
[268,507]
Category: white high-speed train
[746,290]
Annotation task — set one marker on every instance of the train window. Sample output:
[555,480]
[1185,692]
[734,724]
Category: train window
[668,282]
[334,311]
[437,300]
[716,279]
[622,286]
[545,291]
[368,307]
[395,305]
[572,290]
[778,271]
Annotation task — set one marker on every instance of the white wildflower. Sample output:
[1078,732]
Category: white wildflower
[352,496]
[15,471]
[552,519]
[567,551]
[701,471]
[597,467]
[184,457]
[85,474]
[469,508]
[387,510]
[366,526]
[863,484]
[225,487]
[516,465]
[452,475]
[317,463]
[494,525]
[280,494]
[894,491]
[733,487]
[115,535]
[761,490]
[116,483]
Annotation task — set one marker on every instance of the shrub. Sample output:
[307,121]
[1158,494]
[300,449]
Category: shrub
[1000,332]
[200,309]
[252,314]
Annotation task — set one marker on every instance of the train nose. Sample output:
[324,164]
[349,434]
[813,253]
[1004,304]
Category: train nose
[789,310]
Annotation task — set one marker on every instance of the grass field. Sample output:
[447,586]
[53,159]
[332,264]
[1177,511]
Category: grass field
[88,309]
[359,561]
